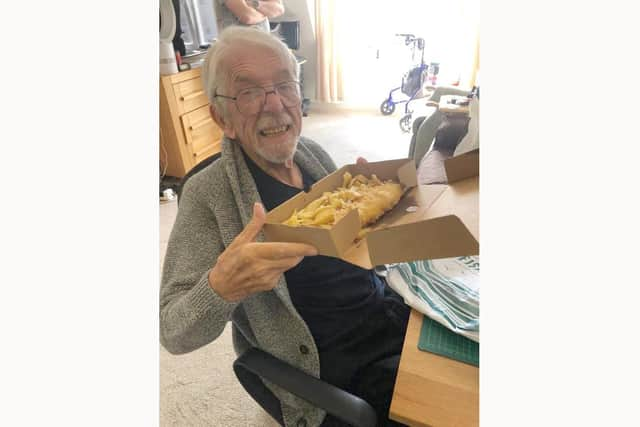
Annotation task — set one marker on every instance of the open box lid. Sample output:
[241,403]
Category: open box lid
[465,165]
[430,221]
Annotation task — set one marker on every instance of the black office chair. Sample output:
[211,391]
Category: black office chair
[197,168]
[254,364]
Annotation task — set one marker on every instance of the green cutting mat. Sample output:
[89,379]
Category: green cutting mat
[437,339]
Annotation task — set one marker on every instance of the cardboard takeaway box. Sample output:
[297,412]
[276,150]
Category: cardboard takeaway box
[429,222]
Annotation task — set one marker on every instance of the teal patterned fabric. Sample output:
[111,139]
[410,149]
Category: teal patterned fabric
[446,290]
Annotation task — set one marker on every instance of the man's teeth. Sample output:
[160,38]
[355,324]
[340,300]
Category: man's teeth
[273,131]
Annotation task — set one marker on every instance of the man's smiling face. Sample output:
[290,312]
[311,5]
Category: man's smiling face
[273,132]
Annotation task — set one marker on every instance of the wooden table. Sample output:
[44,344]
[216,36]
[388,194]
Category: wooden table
[432,390]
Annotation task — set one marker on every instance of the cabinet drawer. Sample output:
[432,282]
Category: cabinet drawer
[206,152]
[201,133]
[190,95]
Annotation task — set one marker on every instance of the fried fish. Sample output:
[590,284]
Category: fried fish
[370,196]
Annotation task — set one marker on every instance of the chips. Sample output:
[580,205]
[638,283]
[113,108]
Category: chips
[370,196]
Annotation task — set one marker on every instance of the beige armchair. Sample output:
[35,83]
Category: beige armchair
[425,128]
[437,136]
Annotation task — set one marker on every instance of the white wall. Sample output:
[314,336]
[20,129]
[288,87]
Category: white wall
[304,11]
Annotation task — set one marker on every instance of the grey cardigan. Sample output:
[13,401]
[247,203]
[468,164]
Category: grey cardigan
[215,205]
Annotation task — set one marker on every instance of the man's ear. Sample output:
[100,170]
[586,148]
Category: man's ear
[225,125]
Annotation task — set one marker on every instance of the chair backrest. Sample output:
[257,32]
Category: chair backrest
[446,133]
[426,128]
[424,134]
[197,168]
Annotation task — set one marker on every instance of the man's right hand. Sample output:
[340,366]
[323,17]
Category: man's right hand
[247,266]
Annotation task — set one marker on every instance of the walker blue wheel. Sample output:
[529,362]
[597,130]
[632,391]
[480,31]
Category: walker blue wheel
[387,107]
[405,123]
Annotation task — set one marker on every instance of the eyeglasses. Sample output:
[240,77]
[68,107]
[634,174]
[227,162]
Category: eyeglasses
[251,101]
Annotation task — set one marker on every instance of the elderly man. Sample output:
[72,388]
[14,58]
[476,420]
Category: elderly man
[329,318]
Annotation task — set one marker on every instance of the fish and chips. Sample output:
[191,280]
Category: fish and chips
[370,196]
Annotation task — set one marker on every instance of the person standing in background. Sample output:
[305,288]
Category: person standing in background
[178,43]
[251,13]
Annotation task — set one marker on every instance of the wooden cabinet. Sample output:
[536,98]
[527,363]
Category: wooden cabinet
[188,134]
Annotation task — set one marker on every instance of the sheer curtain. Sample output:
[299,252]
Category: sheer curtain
[328,35]
[360,58]
[469,41]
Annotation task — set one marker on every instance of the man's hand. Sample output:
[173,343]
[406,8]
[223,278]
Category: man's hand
[247,266]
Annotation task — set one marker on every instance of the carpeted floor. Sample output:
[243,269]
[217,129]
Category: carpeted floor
[199,388]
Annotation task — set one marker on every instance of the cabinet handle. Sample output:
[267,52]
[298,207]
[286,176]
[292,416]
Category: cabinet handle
[209,148]
[191,95]
[199,153]
[199,124]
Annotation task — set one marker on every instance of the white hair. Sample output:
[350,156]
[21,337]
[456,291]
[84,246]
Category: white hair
[214,75]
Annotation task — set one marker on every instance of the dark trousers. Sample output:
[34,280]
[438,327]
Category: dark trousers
[365,362]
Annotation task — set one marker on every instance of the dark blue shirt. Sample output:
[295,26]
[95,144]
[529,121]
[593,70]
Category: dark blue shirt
[331,295]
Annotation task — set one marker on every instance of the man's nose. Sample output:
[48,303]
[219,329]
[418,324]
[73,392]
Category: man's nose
[272,101]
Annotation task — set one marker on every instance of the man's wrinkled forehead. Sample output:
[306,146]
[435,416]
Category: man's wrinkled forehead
[241,64]
[243,78]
